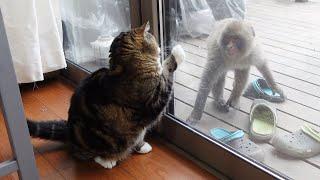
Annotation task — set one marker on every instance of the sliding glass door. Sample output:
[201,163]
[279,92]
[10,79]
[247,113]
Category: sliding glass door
[289,35]
[228,141]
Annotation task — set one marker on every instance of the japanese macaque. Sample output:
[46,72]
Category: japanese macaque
[231,46]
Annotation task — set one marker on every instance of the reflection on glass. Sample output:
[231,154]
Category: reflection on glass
[282,135]
[89,28]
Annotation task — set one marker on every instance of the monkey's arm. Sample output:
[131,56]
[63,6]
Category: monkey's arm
[266,73]
[240,81]
[209,77]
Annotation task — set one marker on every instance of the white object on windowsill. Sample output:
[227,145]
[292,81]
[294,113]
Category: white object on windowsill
[101,47]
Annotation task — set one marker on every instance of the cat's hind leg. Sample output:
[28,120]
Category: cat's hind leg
[143,148]
[106,163]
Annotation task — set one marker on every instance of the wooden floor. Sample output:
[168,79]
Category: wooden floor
[290,34]
[51,101]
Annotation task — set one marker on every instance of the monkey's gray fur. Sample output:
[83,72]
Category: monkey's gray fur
[219,63]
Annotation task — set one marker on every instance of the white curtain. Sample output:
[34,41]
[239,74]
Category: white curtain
[34,33]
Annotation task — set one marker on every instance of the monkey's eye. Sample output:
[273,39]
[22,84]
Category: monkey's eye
[226,40]
[239,43]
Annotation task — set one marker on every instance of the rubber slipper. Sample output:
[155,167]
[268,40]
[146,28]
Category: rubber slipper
[237,141]
[260,89]
[303,143]
[263,120]
[226,136]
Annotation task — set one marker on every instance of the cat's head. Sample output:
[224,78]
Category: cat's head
[134,47]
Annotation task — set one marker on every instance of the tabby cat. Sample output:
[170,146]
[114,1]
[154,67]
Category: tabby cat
[112,109]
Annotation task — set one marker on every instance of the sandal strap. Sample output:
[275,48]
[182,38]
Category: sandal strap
[235,135]
[311,132]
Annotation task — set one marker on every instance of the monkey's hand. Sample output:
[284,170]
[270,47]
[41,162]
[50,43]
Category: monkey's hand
[221,105]
[278,90]
[191,121]
[194,118]
[233,102]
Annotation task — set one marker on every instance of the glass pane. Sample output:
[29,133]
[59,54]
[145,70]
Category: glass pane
[89,28]
[285,48]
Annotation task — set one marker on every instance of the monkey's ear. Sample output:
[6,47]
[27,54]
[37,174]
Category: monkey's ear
[253,32]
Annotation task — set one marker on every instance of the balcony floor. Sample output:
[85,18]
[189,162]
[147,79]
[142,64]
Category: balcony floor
[290,33]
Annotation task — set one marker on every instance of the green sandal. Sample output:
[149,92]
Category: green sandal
[263,120]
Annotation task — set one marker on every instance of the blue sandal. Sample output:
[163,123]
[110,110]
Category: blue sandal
[224,135]
[237,141]
[259,89]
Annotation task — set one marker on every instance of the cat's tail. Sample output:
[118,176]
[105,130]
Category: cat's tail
[50,130]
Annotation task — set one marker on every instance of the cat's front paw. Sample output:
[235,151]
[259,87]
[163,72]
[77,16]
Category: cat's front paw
[178,53]
[144,149]
[108,164]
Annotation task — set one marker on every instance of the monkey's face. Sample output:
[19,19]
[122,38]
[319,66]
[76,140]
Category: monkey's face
[236,39]
[233,45]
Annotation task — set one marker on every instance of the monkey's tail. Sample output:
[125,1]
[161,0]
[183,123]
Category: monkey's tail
[50,130]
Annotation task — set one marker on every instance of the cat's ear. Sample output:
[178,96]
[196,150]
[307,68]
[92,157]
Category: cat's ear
[144,28]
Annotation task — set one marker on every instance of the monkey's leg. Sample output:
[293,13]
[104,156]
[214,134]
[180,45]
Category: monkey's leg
[217,89]
[266,73]
[209,77]
[217,92]
[240,81]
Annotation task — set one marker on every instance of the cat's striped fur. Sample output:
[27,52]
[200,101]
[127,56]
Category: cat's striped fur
[111,110]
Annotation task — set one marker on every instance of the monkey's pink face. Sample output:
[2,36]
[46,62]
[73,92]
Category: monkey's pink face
[233,45]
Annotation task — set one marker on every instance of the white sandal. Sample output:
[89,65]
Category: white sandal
[303,143]
[263,120]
